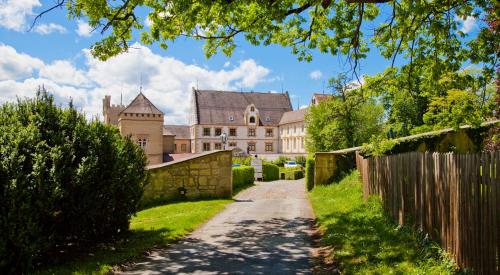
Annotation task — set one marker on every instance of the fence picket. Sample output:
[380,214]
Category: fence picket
[455,198]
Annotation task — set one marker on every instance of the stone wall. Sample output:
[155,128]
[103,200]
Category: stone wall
[331,166]
[206,175]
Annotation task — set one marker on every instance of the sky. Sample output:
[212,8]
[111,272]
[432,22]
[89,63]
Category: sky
[55,54]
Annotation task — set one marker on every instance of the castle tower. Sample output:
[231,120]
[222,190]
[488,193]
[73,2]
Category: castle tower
[144,123]
[110,112]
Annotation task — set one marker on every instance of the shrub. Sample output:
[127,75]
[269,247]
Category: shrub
[62,180]
[280,161]
[270,172]
[243,160]
[291,173]
[310,173]
[301,160]
[242,176]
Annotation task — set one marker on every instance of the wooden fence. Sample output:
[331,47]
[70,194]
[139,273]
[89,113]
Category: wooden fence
[455,198]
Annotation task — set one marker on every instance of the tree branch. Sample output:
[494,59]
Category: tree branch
[58,5]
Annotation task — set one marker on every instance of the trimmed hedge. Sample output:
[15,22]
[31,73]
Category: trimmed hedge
[62,180]
[242,176]
[310,173]
[270,171]
[291,173]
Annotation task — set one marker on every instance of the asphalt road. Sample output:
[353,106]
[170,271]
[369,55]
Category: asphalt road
[266,231]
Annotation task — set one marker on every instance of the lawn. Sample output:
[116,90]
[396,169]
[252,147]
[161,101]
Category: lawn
[154,227]
[365,240]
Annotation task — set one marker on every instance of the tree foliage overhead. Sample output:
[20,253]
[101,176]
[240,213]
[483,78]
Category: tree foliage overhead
[414,28]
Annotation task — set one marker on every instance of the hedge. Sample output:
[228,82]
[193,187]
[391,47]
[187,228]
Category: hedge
[242,176]
[291,173]
[63,180]
[310,173]
[270,171]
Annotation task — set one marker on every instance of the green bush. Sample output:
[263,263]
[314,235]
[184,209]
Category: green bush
[242,176]
[310,173]
[62,180]
[280,161]
[243,160]
[270,171]
[301,160]
[291,173]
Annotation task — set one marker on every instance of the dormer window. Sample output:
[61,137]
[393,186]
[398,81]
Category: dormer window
[252,119]
[252,109]
[231,118]
[268,119]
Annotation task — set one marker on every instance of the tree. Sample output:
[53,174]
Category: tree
[345,120]
[413,28]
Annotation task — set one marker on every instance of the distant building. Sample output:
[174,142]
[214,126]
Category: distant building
[257,123]
[176,139]
[317,98]
[250,120]
[293,132]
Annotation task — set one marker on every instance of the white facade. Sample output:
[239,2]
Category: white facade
[293,138]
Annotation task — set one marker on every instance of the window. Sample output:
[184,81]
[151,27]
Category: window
[183,148]
[269,147]
[269,132]
[268,119]
[252,119]
[206,132]
[218,146]
[232,132]
[142,143]
[251,132]
[232,144]
[252,109]
[206,146]
[231,118]
[218,132]
[251,147]
[175,147]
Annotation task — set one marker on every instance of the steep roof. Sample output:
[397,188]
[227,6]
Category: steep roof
[216,107]
[294,116]
[321,97]
[179,131]
[142,105]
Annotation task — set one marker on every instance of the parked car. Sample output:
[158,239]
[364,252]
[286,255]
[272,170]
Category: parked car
[291,164]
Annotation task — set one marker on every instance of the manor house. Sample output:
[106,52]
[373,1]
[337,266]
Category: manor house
[255,123]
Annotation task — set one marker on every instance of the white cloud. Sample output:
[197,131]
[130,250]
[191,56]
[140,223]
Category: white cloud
[227,64]
[303,106]
[49,28]
[14,65]
[317,74]
[14,13]
[63,72]
[468,24]
[167,82]
[83,28]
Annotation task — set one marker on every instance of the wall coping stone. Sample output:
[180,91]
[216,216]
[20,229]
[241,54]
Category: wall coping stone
[195,156]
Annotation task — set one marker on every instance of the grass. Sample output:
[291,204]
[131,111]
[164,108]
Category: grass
[154,227]
[365,240]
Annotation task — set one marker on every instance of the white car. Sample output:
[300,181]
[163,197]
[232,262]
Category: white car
[291,164]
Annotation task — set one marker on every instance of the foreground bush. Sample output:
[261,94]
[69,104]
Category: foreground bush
[310,173]
[242,176]
[63,181]
[270,172]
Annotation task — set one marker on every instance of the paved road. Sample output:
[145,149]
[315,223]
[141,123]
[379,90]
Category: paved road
[266,231]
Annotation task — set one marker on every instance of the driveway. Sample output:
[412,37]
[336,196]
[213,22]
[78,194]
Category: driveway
[266,231]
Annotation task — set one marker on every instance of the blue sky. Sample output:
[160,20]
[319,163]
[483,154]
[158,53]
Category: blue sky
[55,54]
